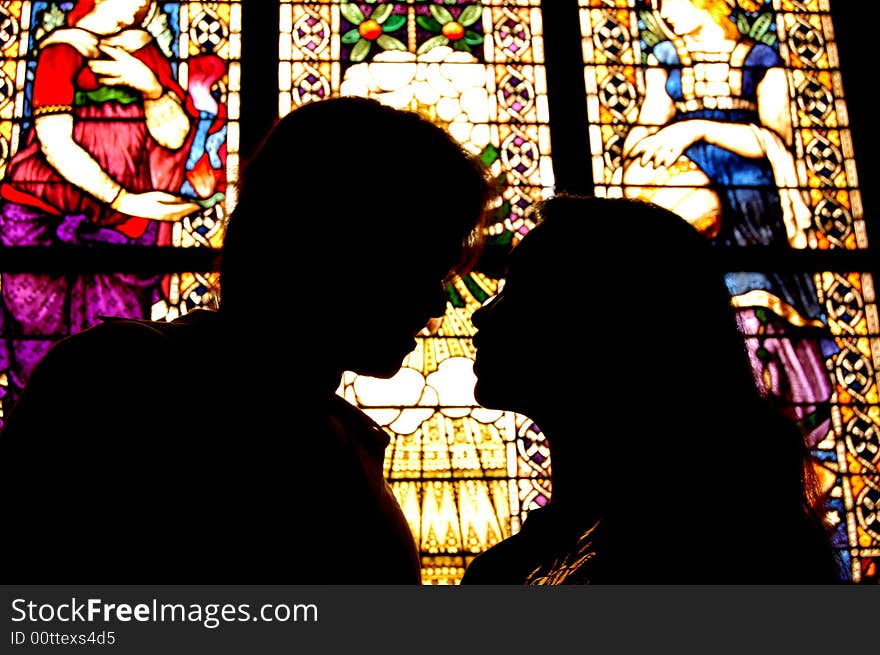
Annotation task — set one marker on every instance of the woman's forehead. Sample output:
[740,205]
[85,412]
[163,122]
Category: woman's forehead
[532,258]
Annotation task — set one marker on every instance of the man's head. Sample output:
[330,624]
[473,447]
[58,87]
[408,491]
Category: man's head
[351,215]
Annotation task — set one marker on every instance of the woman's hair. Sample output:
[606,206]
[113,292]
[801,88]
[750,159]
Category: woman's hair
[720,11]
[346,180]
[701,471]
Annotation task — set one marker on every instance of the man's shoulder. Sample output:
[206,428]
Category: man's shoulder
[124,337]
[117,359]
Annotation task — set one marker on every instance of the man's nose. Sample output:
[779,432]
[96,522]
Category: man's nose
[437,308]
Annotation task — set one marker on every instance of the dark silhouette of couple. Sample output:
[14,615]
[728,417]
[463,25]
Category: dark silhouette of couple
[130,455]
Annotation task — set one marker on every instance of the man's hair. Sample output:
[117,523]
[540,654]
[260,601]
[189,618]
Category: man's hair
[346,178]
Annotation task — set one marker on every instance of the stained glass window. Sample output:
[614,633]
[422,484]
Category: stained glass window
[731,113]
[117,119]
[465,476]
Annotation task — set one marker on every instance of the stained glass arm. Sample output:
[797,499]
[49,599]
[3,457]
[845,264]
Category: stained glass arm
[665,146]
[76,165]
[775,137]
[55,134]
[167,122]
[166,119]
[657,109]
[774,103]
[651,142]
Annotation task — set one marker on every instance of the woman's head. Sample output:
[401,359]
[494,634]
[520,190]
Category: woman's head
[689,16]
[352,214]
[615,333]
[620,290]
[108,16]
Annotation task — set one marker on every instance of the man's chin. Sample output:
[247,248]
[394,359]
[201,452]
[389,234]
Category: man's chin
[381,373]
[384,363]
[383,370]
[483,394]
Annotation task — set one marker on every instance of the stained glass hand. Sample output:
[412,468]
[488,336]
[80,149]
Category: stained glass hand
[666,146]
[156,205]
[124,69]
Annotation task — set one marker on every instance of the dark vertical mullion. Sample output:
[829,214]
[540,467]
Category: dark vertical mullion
[569,134]
[259,72]
[855,28]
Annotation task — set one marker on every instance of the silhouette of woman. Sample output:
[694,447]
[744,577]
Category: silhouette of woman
[689,477]
[225,425]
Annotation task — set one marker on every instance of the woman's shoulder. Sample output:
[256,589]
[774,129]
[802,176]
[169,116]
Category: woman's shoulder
[514,559]
[503,563]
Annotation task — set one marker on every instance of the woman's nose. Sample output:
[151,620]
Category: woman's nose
[436,309]
[478,318]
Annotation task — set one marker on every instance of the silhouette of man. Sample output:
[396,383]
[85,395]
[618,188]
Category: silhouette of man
[214,448]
